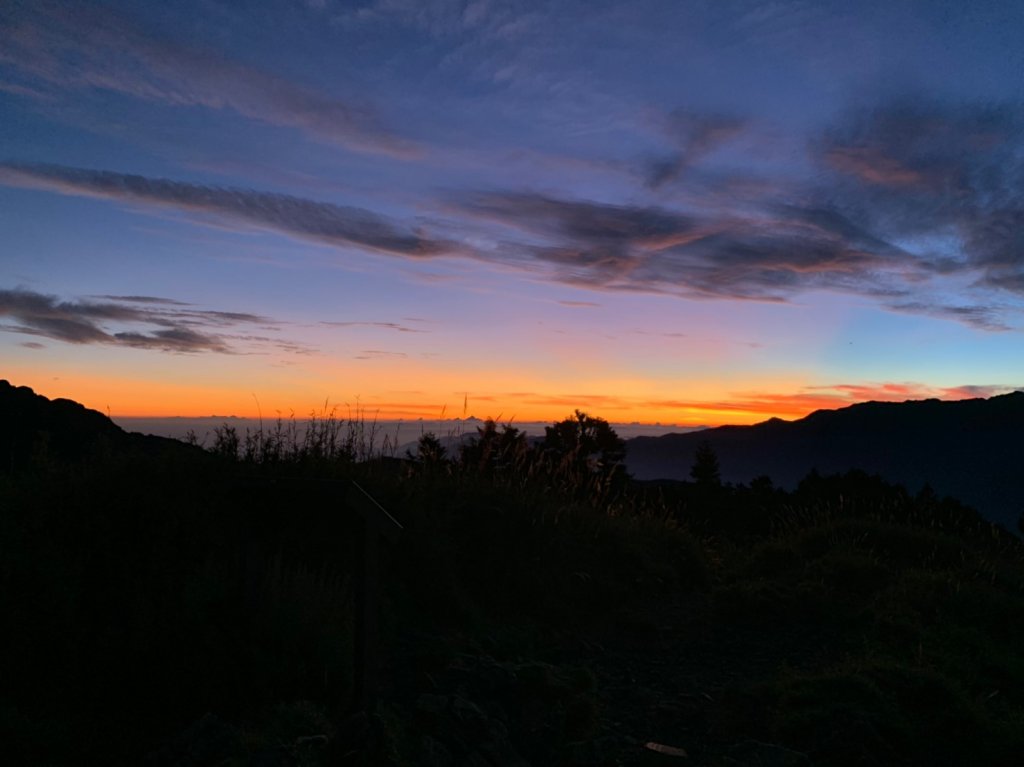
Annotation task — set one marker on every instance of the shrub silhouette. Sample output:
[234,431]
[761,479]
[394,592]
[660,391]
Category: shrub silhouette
[848,619]
[502,455]
[705,470]
[587,439]
[430,453]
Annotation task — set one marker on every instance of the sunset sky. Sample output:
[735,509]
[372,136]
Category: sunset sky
[679,212]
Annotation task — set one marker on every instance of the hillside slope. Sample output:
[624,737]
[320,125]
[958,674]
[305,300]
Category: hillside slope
[971,449]
[35,429]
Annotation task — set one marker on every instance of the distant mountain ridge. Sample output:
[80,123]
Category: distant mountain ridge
[972,449]
[35,428]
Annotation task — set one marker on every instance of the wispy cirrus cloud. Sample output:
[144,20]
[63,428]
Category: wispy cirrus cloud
[142,322]
[921,169]
[886,392]
[579,220]
[695,136]
[772,254]
[322,222]
[918,208]
[143,300]
[79,46]
[769,256]
[380,354]
[488,23]
[571,400]
[985,317]
[382,325]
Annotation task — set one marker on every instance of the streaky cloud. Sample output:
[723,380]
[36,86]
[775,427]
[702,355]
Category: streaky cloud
[318,221]
[979,316]
[597,223]
[84,47]
[696,136]
[918,168]
[162,325]
[384,325]
[769,256]
[143,300]
[379,354]
[173,340]
[907,176]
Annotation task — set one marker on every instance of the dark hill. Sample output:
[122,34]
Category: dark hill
[971,449]
[36,429]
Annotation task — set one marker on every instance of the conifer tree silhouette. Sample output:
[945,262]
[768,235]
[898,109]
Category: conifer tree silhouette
[705,470]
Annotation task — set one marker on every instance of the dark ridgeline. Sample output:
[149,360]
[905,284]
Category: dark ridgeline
[169,605]
[37,429]
[972,450]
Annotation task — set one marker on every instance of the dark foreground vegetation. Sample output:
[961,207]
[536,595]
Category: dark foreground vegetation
[172,605]
[970,449]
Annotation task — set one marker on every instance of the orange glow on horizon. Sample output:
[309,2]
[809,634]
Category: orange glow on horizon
[120,397]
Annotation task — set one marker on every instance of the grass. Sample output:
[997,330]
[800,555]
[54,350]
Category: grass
[922,622]
[148,593]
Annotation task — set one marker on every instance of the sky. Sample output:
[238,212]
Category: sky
[663,211]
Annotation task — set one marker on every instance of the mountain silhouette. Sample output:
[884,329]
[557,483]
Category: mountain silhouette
[972,449]
[37,429]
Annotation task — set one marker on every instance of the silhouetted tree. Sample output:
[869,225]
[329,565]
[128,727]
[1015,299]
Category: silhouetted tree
[429,451]
[584,456]
[495,452]
[586,440]
[705,470]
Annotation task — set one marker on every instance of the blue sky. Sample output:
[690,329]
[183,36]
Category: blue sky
[687,212]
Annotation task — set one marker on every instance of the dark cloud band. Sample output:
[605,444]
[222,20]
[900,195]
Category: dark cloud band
[158,324]
[318,221]
[918,207]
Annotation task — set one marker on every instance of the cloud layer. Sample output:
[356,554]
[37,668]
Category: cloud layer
[917,207]
[769,256]
[918,169]
[397,326]
[84,47]
[318,221]
[695,136]
[143,322]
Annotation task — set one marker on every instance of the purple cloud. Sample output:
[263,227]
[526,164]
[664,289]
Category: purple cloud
[319,221]
[159,324]
[82,46]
